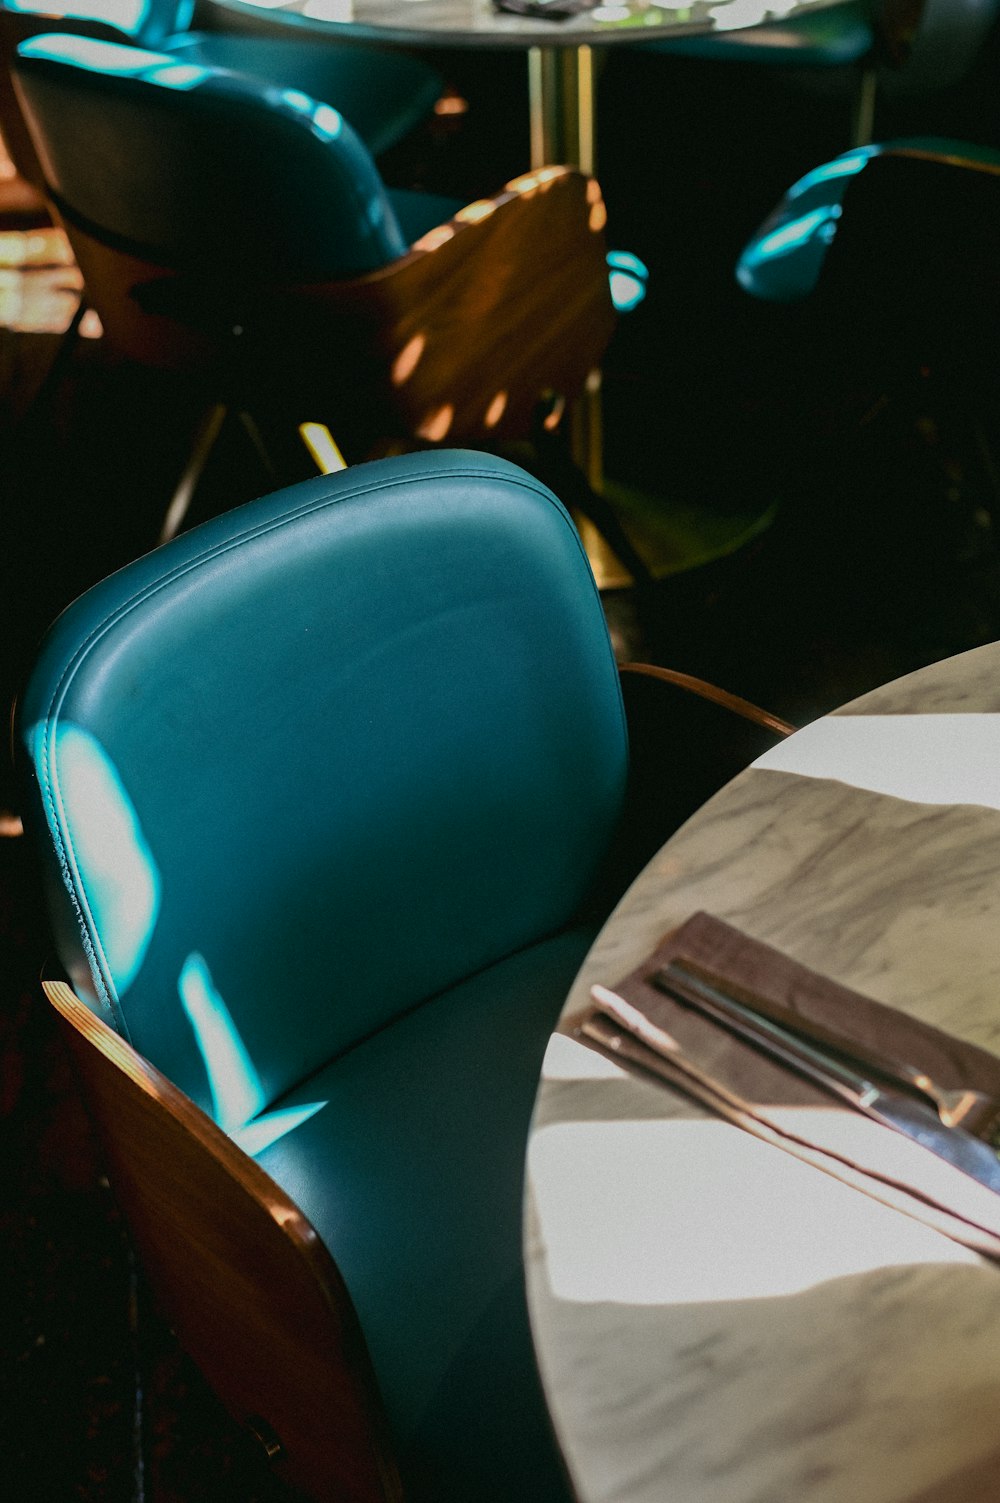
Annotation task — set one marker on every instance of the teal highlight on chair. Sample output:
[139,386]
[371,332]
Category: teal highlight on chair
[237,1092]
[105,857]
[629,277]
[97,56]
[326,121]
[238,1099]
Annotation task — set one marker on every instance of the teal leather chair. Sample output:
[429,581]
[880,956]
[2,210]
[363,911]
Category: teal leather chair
[383,93]
[330,795]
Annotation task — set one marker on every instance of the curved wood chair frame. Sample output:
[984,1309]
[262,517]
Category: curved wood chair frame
[701,688]
[457,341]
[254,1295]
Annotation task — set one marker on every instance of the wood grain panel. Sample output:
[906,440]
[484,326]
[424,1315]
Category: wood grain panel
[253,1294]
[455,342]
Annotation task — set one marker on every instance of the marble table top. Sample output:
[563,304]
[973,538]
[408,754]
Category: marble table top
[456,23]
[716,1321]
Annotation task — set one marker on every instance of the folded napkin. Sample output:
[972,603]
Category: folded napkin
[768,1098]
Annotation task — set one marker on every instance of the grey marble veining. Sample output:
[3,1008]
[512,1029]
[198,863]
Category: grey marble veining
[717,1322]
[969,682]
[476,23]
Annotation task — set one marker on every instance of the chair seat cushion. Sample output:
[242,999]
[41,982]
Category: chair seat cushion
[417,1192]
[383,95]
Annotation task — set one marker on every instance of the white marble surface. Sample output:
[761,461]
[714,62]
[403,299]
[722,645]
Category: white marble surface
[717,1322]
[476,23]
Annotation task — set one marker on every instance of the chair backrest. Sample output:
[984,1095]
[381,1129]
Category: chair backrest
[320,758]
[146,23]
[201,170]
[884,228]
[912,271]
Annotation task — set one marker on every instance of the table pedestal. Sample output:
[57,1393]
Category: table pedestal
[562,107]
[562,111]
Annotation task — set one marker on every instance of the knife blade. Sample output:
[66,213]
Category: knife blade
[914,1119]
[975,1110]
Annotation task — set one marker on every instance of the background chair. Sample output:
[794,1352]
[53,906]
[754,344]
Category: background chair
[392,316]
[330,794]
[821,232]
[385,94]
[840,40]
[876,278]
[908,45]
[888,256]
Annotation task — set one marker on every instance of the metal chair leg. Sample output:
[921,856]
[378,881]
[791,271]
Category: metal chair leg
[323,448]
[252,430]
[281,461]
[207,435]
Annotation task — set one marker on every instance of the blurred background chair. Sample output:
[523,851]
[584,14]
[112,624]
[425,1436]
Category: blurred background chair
[842,39]
[384,93]
[901,196]
[860,47]
[330,794]
[887,257]
[388,315]
[877,274]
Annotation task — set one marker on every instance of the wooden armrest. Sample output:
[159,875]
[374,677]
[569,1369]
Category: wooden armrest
[254,1296]
[705,690]
[683,747]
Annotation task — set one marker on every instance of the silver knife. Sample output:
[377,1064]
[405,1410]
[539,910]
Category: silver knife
[964,1106]
[913,1119]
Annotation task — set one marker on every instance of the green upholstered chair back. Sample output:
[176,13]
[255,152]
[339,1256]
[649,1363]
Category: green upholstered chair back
[231,177]
[319,759]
